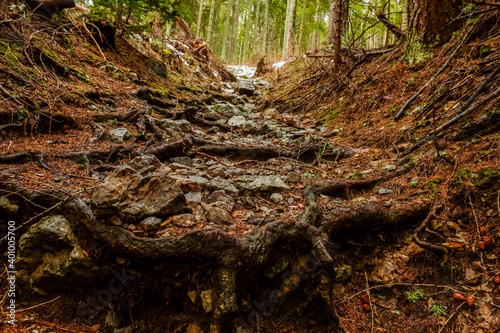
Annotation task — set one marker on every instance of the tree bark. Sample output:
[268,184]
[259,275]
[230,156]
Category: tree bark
[256,32]
[315,38]
[246,41]
[301,29]
[226,30]
[289,36]
[210,28]
[266,27]
[335,25]
[234,39]
[198,24]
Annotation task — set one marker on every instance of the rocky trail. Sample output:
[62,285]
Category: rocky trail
[189,203]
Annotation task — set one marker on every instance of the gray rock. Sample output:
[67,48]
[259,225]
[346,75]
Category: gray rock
[184,220]
[246,87]
[158,67]
[217,215]
[202,181]
[287,167]
[50,256]
[276,198]
[150,223]
[236,99]
[138,189]
[293,177]
[175,128]
[250,127]
[270,112]
[183,160]
[236,121]
[260,183]
[222,197]
[384,191]
[218,183]
[217,171]
[193,197]
[390,167]
[120,135]
[225,109]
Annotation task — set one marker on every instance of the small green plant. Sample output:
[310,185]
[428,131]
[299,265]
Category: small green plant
[113,122]
[308,175]
[415,295]
[22,113]
[438,310]
[414,182]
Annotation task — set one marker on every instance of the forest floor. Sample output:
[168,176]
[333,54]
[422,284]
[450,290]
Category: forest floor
[293,202]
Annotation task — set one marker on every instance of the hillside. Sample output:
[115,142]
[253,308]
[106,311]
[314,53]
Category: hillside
[147,187]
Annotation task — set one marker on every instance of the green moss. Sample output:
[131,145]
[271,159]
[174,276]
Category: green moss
[417,52]
[433,183]
[52,55]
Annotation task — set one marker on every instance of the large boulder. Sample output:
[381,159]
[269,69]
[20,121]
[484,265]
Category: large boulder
[50,256]
[139,189]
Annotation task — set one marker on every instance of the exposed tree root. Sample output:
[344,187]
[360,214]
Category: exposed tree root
[373,216]
[308,152]
[230,256]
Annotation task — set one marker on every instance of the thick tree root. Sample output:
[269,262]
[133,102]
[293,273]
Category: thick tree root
[308,152]
[373,216]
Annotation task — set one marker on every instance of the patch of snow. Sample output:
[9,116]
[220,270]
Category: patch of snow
[177,52]
[280,64]
[242,71]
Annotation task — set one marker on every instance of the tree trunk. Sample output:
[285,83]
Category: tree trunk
[266,27]
[210,28]
[290,29]
[301,29]
[389,19]
[315,38]
[226,30]
[335,25]
[429,26]
[234,40]
[256,32]
[198,24]
[246,42]
[404,18]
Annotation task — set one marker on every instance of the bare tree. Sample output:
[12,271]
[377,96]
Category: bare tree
[198,24]
[289,35]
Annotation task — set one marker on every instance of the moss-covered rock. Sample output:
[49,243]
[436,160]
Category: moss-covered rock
[486,178]
[50,256]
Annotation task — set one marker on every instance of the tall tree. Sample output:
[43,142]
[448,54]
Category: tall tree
[335,25]
[256,29]
[226,30]
[198,24]
[236,19]
[265,31]
[246,41]
[430,23]
[289,35]
[210,29]
[315,38]
[301,29]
